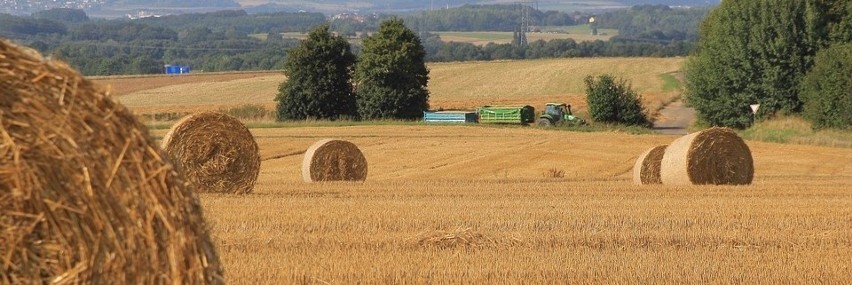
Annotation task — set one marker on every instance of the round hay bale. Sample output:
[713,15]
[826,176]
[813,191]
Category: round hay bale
[85,195]
[215,151]
[647,167]
[334,160]
[716,156]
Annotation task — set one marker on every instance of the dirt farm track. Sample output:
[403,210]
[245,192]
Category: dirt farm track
[488,205]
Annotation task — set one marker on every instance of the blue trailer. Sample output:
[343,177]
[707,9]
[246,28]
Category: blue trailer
[450,117]
[176,69]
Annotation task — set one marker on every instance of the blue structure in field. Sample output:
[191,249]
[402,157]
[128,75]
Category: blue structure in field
[176,69]
[449,117]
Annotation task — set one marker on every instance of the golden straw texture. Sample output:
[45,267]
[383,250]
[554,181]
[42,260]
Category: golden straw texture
[215,151]
[85,196]
[647,167]
[334,160]
[716,156]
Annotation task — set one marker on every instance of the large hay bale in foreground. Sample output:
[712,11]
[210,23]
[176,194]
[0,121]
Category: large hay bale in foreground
[715,156]
[334,160]
[647,167]
[215,151]
[85,196]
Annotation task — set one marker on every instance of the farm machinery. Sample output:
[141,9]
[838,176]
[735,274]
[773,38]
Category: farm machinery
[558,114]
[554,114]
[523,115]
[506,115]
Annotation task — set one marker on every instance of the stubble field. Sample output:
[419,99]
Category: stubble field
[446,204]
[485,205]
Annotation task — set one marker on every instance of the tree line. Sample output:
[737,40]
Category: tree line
[218,41]
[440,51]
[655,22]
[503,18]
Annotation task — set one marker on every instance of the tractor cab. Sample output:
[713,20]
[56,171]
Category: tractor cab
[558,113]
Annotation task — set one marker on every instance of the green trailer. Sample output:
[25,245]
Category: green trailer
[506,115]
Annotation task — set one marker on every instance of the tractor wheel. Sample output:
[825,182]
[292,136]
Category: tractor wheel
[544,123]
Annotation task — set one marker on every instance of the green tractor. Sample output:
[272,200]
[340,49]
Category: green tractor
[558,114]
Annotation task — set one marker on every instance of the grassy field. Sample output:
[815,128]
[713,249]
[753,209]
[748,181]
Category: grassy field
[471,204]
[466,204]
[798,131]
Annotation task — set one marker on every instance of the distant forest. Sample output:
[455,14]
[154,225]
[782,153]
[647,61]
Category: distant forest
[237,40]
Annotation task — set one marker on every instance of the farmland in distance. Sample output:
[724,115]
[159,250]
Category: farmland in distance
[458,85]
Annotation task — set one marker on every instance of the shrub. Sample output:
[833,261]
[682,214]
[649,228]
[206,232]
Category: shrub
[611,100]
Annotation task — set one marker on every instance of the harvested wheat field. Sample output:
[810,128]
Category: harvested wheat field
[472,204]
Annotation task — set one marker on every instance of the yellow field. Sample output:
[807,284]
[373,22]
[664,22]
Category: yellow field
[535,82]
[494,214]
[488,205]
[464,85]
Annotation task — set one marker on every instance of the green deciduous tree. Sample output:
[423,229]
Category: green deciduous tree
[827,88]
[611,100]
[750,52]
[391,75]
[319,81]
[830,21]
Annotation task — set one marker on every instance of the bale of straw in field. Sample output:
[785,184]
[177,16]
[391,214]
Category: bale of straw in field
[85,195]
[715,156]
[215,151]
[647,167]
[334,160]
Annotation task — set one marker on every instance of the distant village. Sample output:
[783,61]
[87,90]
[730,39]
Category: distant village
[26,7]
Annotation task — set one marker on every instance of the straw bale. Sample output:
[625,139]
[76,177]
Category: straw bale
[647,167]
[716,156]
[334,160]
[215,151]
[85,195]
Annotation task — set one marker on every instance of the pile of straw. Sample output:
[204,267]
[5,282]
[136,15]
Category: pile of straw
[215,151]
[85,196]
[647,167]
[463,237]
[334,160]
[714,156]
